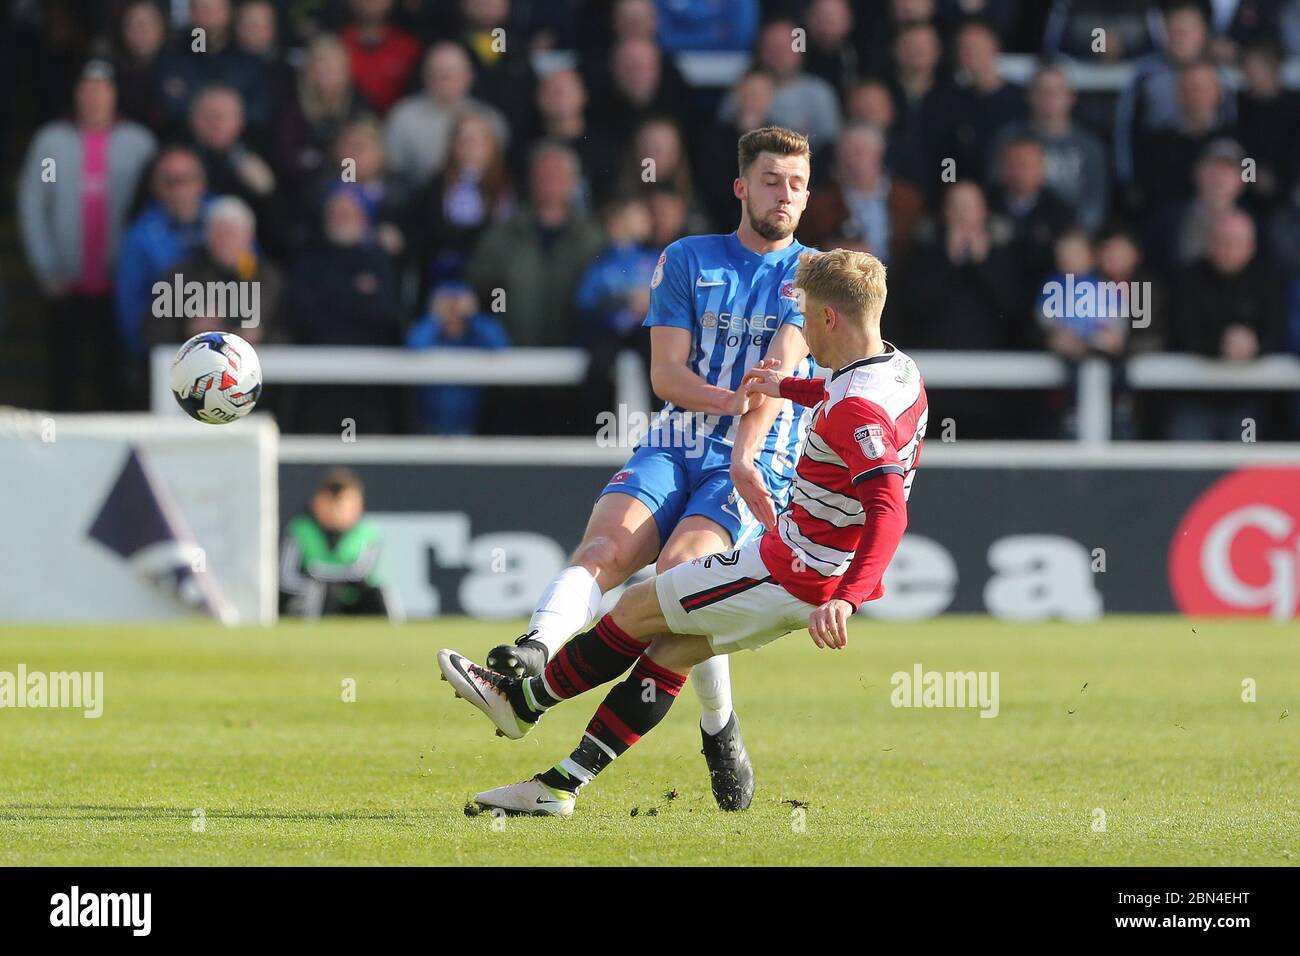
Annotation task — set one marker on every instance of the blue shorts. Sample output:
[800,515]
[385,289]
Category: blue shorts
[676,482]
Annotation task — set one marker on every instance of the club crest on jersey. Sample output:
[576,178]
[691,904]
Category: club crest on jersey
[871,439]
[788,291]
[658,276]
[903,373]
[621,476]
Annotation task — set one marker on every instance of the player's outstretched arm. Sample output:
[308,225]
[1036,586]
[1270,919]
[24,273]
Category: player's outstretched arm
[764,380]
[785,352]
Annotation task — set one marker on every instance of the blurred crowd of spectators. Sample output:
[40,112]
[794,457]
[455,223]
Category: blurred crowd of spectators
[402,172]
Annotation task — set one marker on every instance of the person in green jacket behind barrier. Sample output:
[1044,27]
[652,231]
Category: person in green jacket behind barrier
[329,559]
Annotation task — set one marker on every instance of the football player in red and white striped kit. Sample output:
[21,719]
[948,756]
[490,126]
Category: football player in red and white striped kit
[849,502]
[826,557]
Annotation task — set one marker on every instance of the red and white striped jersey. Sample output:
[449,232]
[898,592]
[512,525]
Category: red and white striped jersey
[868,422]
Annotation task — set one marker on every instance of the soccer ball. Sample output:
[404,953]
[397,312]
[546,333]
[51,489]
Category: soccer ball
[216,377]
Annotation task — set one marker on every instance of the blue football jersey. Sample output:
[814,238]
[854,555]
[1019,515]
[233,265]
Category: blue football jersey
[732,301]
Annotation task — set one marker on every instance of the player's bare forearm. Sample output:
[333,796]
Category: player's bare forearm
[753,428]
[787,350]
[676,382]
[687,390]
[745,475]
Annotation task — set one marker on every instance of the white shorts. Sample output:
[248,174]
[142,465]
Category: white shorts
[731,599]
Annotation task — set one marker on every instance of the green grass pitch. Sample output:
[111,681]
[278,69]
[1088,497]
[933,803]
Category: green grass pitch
[249,727]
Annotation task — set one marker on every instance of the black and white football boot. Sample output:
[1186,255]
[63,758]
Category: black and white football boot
[524,658]
[485,689]
[730,772]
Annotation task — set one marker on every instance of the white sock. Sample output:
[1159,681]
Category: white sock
[567,607]
[712,683]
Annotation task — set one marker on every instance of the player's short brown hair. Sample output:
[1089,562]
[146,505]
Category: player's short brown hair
[852,282]
[770,139]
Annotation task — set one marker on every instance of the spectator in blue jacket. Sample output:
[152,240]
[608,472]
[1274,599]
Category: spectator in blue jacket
[707,24]
[165,234]
[613,293]
[454,322]
[613,297]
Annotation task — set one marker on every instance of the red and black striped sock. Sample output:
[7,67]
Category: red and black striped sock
[631,710]
[590,659]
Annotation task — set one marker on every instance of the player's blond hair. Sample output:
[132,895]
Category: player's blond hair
[770,139]
[852,282]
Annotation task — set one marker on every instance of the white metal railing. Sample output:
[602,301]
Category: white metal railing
[1161,372]
[1174,372]
[371,365]
[1000,371]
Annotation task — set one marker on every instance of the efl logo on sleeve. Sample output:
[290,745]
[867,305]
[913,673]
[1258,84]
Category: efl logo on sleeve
[871,439]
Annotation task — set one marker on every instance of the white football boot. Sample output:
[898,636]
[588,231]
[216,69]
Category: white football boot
[485,689]
[530,798]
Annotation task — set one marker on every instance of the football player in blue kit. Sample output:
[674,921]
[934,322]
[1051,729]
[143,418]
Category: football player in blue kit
[711,474]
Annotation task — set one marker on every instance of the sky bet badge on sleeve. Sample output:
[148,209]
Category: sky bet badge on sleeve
[871,439]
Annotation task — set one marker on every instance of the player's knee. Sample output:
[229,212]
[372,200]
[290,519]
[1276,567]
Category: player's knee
[607,557]
[637,610]
[678,652]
